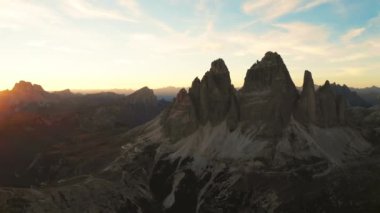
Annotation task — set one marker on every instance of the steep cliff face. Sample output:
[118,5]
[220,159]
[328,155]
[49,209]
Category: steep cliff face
[210,100]
[268,96]
[324,107]
[214,97]
[330,107]
[181,118]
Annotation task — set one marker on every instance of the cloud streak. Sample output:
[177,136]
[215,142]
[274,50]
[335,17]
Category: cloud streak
[353,33]
[85,9]
[272,9]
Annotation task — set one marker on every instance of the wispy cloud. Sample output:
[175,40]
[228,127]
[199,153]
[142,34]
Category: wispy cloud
[132,6]
[17,14]
[311,4]
[353,33]
[272,9]
[85,9]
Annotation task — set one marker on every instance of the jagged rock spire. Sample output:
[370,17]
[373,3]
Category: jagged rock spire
[306,107]
[218,66]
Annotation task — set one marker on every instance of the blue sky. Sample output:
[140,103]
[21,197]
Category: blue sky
[88,44]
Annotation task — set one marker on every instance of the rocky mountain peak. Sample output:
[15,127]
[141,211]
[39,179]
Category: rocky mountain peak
[196,81]
[210,100]
[268,95]
[269,73]
[308,81]
[326,85]
[143,96]
[181,96]
[218,76]
[27,87]
[144,90]
[212,97]
[218,66]
[26,92]
[272,57]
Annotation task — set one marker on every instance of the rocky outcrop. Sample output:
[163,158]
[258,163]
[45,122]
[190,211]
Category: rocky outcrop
[330,107]
[352,97]
[269,73]
[306,106]
[180,119]
[210,100]
[323,108]
[25,92]
[268,95]
[214,97]
[27,87]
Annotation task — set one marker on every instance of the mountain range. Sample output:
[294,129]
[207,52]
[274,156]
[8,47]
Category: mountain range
[46,135]
[266,147]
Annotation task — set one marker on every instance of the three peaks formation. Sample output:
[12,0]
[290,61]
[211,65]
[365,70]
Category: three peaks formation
[268,98]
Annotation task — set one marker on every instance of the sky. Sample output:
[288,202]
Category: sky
[94,44]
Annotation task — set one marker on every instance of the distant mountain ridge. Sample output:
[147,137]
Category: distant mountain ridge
[370,94]
[353,98]
[167,93]
[39,126]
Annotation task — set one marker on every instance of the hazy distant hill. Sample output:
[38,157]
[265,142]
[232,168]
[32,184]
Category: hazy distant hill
[370,94]
[167,93]
[39,129]
[353,98]
[94,91]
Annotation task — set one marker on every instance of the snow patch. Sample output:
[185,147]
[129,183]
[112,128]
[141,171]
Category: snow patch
[170,199]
